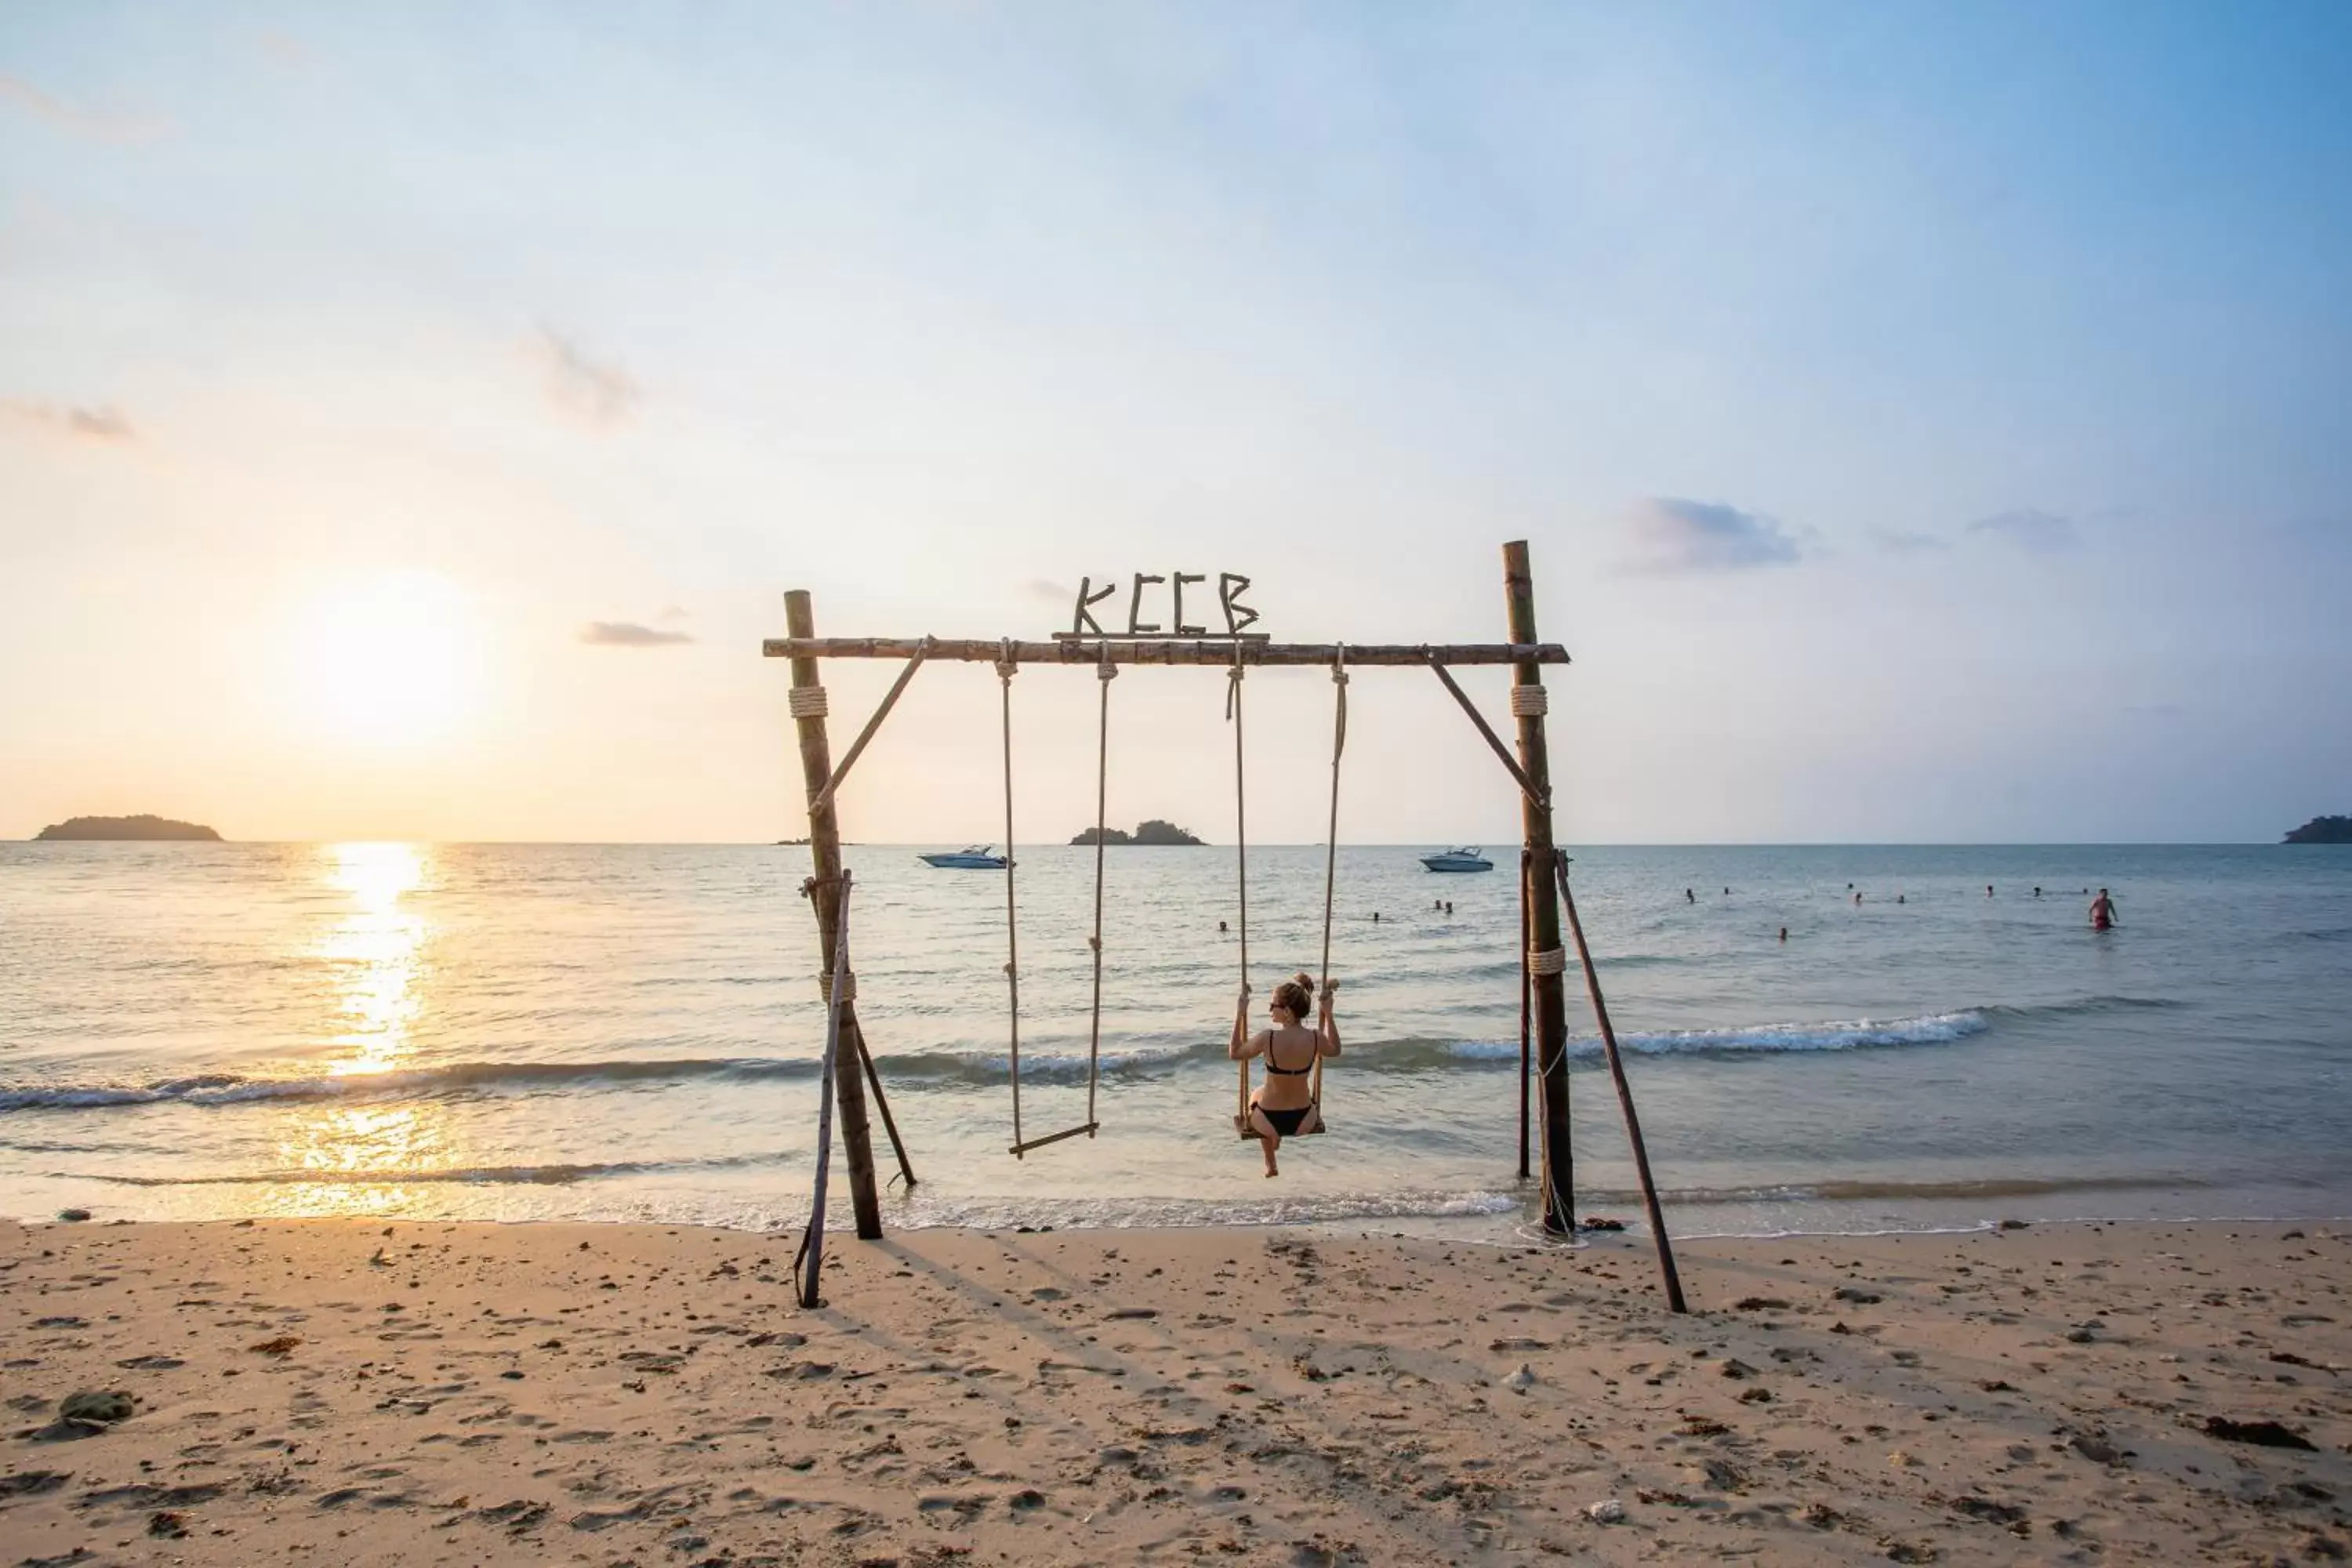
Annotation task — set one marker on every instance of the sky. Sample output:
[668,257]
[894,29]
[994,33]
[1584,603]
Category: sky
[1928,421]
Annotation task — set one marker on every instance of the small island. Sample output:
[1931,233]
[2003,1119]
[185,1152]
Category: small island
[1152,832]
[2322,830]
[143,828]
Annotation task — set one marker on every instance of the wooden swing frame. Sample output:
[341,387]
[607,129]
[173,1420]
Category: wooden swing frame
[1543,884]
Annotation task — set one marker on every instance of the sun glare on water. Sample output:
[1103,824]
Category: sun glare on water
[390,659]
[377,952]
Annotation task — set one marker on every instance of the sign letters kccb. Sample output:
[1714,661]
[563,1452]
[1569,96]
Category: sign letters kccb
[1230,584]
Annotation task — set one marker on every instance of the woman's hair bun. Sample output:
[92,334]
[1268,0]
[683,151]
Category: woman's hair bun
[1295,995]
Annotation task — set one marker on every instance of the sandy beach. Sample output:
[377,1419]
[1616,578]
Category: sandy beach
[352,1392]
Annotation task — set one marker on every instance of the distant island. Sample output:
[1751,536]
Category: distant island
[143,827]
[2322,830]
[1152,832]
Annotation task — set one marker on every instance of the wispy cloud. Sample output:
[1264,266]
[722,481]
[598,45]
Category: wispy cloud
[599,393]
[1672,534]
[285,50]
[675,612]
[100,424]
[66,117]
[1898,543]
[629,633]
[2029,528]
[1046,588]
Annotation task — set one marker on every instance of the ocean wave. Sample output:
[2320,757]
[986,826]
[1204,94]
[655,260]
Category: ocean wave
[992,1067]
[231,1089]
[1140,1213]
[553,1175]
[2080,1005]
[940,1069]
[1836,1035]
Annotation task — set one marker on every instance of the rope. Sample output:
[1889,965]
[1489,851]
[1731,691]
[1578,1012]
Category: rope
[825,987]
[1105,673]
[1529,701]
[1241,847]
[1006,668]
[1549,961]
[807,701]
[1331,841]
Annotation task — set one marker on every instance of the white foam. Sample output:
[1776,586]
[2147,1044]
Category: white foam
[1835,1035]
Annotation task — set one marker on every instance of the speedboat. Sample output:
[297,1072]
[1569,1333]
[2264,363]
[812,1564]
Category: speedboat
[1459,859]
[970,857]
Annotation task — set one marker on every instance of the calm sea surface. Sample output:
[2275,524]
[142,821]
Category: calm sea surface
[609,1032]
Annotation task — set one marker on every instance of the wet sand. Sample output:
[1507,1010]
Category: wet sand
[334,1392]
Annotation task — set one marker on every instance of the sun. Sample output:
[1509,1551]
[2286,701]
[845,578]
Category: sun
[389,659]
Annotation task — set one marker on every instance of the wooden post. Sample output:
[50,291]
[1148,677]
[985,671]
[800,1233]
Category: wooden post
[1543,911]
[824,893]
[1526,1060]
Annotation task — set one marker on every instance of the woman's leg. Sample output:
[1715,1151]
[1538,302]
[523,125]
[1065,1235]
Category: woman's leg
[1268,1139]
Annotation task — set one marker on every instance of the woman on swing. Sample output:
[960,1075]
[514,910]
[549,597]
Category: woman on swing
[1286,1106]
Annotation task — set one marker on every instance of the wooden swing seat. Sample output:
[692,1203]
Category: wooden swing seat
[1242,1125]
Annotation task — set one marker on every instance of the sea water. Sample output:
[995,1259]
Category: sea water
[616,1032]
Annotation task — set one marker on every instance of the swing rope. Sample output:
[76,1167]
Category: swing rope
[1105,673]
[1006,669]
[1007,666]
[1331,842]
[1241,857]
[1330,860]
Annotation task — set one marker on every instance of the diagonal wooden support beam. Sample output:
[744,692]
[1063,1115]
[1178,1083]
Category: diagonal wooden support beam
[857,747]
[1624,1095]
[1526,786]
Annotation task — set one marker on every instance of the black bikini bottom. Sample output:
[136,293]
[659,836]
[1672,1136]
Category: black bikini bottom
[1286,1123]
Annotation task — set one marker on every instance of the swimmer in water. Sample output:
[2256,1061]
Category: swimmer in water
[1857,900]
[1784,934]
[1689,897]
[1221,928]
[2103,911]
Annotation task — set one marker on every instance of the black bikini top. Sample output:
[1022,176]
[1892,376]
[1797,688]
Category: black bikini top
[1283,1071]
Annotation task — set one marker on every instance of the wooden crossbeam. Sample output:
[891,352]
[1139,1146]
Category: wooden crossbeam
[1164,651]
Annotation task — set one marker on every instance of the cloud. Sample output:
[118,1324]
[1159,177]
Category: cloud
[675,612]
[2029,528]
[1672,534]
[597,393]
[628,634]
[285,50]
[1896,543]
[99,424]
[1051,592]
[66,117]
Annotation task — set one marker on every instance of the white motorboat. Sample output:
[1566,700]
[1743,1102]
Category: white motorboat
[970,857]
